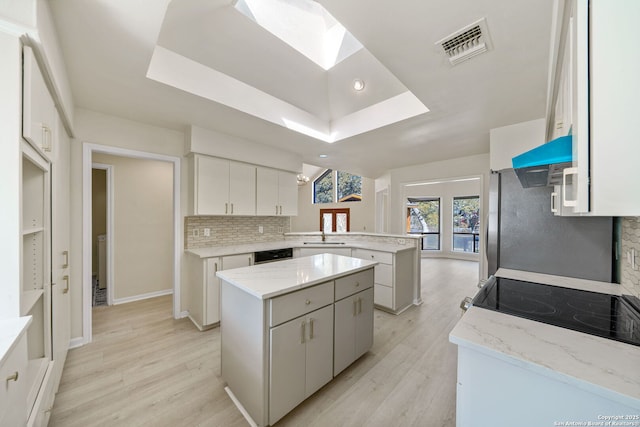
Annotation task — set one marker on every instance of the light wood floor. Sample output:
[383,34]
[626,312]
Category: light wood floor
[144,368]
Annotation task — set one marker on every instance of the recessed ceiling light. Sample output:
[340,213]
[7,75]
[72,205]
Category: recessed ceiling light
[323,156]
[358,84]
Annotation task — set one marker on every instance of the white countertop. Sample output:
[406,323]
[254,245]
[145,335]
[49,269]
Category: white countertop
[216,251]
[599,365]
[10,331]
[276,278]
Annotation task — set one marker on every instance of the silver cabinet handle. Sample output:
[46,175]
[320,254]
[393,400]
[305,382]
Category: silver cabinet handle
[231,208]
[65,254]
[226,208]
[357,284]
[310,329]
[13,377]
[359,305]
[307,302]
[355,307]
[66,279]
[215,267]
[280,209]
[303,329]
[46,138]
[276,209]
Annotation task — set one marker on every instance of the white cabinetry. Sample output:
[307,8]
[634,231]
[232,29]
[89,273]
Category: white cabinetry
[300,360]
[13,391]
[277,192]
[393,289]
[39,115]
[223,187]
[203,302]
[354,320]
[595,84]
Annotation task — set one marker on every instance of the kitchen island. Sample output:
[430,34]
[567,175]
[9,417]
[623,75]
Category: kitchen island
[289,327]
[516,371]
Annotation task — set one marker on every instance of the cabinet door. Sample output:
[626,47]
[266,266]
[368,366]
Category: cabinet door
[287,370]
[344,349]
[364,322]
[212,293]
[211,186]
[236,261]
[319,351]
[242,189]
[38,109]
[267,192]
[60,229]
[287,194]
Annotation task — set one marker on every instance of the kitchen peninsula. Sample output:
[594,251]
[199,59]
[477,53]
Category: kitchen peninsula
[289,327]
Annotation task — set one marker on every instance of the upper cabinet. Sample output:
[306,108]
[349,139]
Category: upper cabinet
[593,91]
[227,187]
[223,187]
[277,192]
[39,115]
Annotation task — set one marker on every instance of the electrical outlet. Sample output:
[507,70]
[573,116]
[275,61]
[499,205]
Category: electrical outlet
[260,229]
[196,232]
[401,241]
[207,232]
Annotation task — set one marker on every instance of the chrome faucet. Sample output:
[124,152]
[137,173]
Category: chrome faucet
[324,237]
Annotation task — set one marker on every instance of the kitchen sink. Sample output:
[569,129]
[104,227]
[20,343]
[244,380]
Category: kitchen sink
[323,243]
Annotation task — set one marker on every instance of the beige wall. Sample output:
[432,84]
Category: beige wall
[98,213]
[143,225]
[362,214]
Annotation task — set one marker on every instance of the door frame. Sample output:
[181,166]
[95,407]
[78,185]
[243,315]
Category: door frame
[88,149]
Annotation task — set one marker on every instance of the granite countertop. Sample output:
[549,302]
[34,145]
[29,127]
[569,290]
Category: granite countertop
[276,278]
[602,366]
[10,331]
[216,251]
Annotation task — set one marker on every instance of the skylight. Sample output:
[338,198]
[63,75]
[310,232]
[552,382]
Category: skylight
[305,26]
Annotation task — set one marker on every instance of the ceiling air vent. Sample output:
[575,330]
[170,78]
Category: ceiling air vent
[466,43]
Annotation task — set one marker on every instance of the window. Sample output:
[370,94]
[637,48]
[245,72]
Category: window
[337,186]
[466,224]
[349,187]
[334,220]
[423,218]
[323,188]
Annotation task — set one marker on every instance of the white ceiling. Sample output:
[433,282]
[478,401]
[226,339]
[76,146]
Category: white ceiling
[108,46]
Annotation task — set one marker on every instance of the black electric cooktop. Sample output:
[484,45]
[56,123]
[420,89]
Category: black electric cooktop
[609,316]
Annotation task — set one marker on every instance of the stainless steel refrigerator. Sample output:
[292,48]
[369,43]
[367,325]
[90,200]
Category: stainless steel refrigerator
[523,234]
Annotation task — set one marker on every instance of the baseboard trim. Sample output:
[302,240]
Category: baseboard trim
[77,342]
[142,296]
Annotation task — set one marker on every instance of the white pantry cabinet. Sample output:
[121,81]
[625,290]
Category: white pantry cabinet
[276,192]
[39,116]
[223,187]
[593,88]
[203,302]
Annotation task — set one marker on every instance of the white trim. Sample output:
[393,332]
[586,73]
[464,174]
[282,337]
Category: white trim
[76,342]
[110,243]
[87,151]
[142,296]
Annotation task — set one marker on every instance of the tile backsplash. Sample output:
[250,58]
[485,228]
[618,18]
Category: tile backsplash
[630,239]
[233,230]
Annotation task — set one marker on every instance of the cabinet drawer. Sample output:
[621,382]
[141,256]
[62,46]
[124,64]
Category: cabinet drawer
[382,257]
[384,274]
[301,302]
[13,394]
[353,283]
[383,296]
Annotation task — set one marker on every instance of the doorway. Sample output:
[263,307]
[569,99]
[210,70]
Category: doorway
[101,224]
[174,226]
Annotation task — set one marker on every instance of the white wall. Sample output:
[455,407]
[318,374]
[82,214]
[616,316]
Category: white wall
[143,225]
[98,128]
[362,214]
[446,191]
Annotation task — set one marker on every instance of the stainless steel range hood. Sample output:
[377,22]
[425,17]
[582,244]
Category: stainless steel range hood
[543,165]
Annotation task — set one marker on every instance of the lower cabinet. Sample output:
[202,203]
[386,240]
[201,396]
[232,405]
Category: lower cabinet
[203,300]
[300,360]
[353,335]
[13,391]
